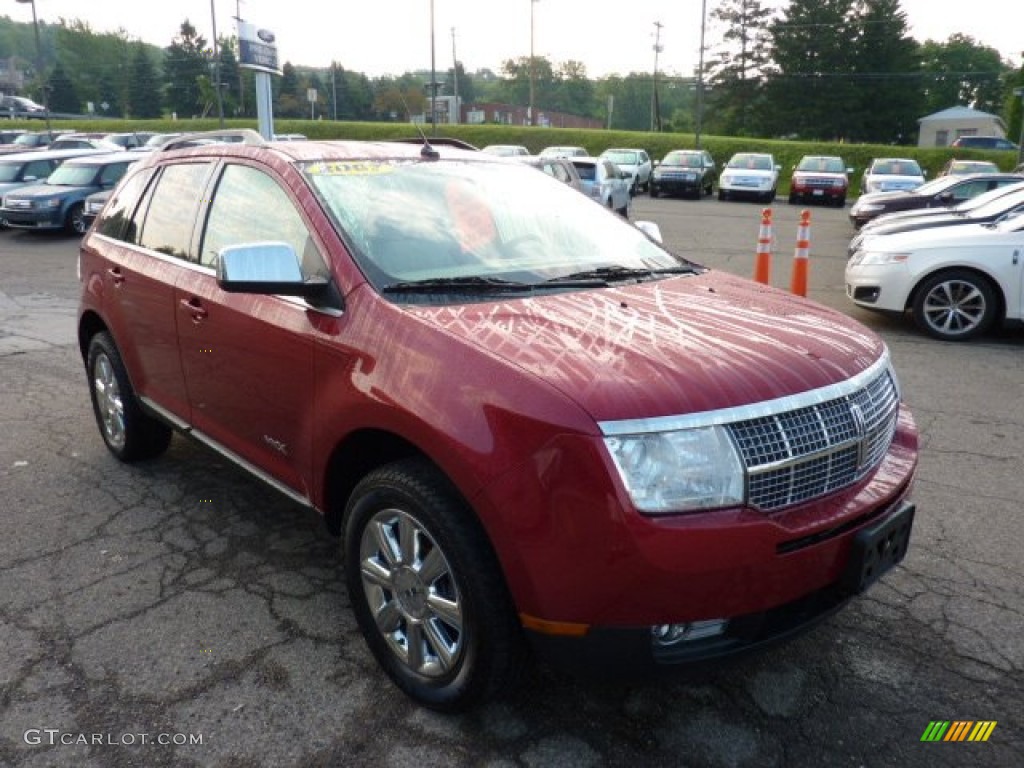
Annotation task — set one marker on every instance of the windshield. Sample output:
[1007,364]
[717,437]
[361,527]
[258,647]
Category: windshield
[935,186]
[452,221]
[10,171]
[621,157]
[28,140]
[822,165]
[896,168]
[751,162]
[74,176]
[995,202]
[683,159]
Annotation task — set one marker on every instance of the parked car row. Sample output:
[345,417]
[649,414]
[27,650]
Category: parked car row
[957,270]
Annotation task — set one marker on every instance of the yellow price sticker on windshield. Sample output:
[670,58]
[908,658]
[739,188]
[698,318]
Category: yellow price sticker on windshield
[349,168]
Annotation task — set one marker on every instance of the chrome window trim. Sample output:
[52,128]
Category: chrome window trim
[760,410]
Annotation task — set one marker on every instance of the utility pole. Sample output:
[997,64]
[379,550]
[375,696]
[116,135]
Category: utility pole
[700,72]
[655,107]
[241,82]
[455,79]
[433,75]
[216,68]
[533,67]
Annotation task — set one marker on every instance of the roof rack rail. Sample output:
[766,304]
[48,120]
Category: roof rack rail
[232,135]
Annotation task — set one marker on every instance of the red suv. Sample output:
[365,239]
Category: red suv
[526,418]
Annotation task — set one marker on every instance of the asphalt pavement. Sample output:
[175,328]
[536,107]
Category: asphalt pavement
[180,613]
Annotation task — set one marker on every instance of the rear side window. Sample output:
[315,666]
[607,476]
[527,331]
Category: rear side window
[170,215]
[117,221]
[587,172]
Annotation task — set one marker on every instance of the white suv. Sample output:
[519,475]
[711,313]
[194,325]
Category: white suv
[750,174]
[635,162]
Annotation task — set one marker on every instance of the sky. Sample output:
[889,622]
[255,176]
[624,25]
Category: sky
[380,37]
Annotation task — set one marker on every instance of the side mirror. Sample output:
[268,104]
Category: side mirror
[264,268]
[650,229]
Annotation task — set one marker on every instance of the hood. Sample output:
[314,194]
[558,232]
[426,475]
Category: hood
[965,236]
[49,190]
[674,346]
[889,197]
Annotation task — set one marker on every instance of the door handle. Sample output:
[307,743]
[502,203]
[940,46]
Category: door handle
[115,275]
[195,308]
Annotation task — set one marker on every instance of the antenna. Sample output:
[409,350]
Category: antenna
[427,152]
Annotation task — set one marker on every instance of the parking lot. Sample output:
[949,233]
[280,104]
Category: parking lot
[180,613]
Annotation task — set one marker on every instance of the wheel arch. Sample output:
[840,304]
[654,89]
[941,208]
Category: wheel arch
[997,290]
[358,454]
[89,324]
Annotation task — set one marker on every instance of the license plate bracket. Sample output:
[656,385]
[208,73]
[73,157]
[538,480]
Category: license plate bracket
[878,548]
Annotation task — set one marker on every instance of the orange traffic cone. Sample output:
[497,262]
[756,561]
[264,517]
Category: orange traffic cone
[798,283]
[763,256]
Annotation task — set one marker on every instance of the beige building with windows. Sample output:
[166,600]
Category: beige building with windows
[943,128]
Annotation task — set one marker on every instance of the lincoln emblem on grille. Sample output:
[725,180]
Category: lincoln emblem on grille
[861,426]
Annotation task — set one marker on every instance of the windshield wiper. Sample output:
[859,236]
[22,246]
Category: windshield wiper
[625,273]
[469,284]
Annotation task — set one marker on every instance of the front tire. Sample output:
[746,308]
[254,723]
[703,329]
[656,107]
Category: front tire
[426,588]
[127,431]
[75,222]
[955,305]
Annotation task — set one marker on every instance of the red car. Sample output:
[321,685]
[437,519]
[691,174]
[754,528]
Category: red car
[820,179]
[527,419]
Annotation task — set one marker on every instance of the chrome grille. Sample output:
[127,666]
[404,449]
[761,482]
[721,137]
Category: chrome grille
[18,205]
[808,452]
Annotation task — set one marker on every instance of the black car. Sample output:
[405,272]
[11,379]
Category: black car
[690,172]
[983,209]
[943,192]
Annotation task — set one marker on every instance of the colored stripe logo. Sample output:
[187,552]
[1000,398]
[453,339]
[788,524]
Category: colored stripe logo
[958,730]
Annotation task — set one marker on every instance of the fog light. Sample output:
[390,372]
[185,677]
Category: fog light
[671,634]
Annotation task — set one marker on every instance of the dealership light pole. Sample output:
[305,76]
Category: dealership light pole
[39,62]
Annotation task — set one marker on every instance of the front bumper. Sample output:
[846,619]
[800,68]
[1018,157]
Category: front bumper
[629,652]
[37,218]
[676,185]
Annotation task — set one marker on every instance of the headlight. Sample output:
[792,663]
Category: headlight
[869,258]
[870,208]
[679,471]
[55,203]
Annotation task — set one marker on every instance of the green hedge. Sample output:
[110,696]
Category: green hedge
[787,153]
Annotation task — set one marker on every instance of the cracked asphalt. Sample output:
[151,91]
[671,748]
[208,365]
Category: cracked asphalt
[180,613]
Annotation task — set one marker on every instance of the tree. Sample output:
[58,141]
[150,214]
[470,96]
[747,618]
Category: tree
[144,99]
[188,59]
[962,72]
[889,99]
[734,75]
[287,101]
[63,97]
[467,90]
[631,100]
[574,91]
[810,89]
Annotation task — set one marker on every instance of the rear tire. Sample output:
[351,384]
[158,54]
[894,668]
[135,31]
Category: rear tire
[127,431]
[426,588]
